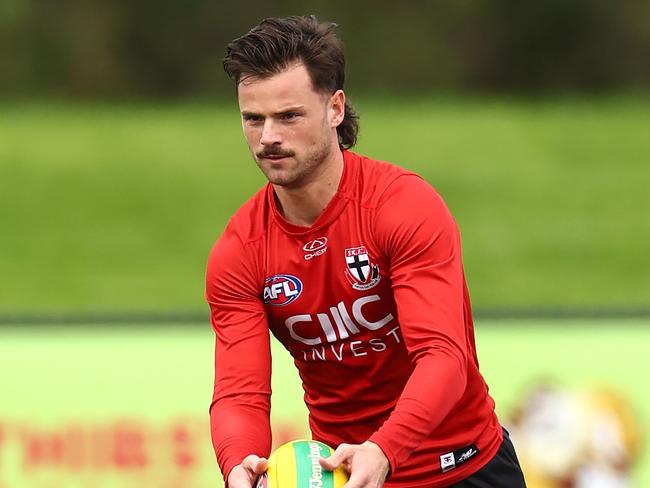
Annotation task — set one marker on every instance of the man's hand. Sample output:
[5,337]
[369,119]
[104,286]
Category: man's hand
[366,463]
[244,475]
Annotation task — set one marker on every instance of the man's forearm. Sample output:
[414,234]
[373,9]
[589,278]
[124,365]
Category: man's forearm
[239,429]
[436,384]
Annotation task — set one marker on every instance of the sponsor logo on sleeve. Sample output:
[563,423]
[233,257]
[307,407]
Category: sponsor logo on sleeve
[450,460]
[281,290]
[360,271]
[315,248]
[447,462]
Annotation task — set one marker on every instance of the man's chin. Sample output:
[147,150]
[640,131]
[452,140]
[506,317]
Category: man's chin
[283,182]
[279,178]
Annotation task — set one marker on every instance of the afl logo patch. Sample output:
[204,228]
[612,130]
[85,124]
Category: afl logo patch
[281,290]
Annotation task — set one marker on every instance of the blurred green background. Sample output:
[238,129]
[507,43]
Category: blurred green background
[121,160]
[115,206]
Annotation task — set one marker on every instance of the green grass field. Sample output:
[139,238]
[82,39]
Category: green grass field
[68,383]
[116,206]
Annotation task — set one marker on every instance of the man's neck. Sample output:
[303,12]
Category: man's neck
[303,205]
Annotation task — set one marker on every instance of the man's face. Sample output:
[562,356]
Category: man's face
[290,128]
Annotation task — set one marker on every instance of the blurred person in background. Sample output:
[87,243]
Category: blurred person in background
[355,266]
[576,438]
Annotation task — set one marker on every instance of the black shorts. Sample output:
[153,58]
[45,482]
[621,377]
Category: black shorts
[503,471]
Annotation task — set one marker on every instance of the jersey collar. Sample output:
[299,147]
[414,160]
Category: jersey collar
[334,207]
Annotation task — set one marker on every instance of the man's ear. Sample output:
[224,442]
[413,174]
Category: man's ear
[336,108]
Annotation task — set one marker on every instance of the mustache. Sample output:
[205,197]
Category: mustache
[274,151]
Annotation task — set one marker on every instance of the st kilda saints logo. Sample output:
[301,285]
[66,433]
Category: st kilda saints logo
[361,273]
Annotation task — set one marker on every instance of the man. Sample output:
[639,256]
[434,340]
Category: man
[355,266]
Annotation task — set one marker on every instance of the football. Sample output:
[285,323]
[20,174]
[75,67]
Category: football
[295,465]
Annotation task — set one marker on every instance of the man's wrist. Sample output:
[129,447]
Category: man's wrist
[374,445]
[378,440]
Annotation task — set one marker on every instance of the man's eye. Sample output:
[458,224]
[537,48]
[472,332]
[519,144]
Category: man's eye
[253,119]
[289,115]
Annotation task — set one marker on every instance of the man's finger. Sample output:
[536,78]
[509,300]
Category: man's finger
[255,464]
[335,460]
[357,481]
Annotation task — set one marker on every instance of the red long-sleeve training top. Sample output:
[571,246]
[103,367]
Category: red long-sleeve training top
[372,304]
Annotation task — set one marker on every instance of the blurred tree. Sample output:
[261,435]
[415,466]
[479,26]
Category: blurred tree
[147,48]
[559,45]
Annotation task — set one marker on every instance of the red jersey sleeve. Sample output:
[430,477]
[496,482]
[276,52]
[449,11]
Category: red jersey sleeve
[415,230]
[240,408]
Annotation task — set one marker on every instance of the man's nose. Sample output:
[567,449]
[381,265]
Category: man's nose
[270,134]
